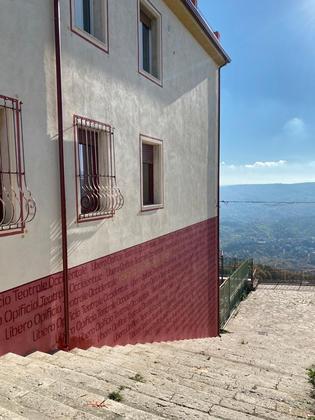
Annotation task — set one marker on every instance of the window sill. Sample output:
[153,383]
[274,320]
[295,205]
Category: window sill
[12,232]
[152,207]
[149,76]
[85,219]
[90,39]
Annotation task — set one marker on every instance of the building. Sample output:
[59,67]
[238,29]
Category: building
[109,134]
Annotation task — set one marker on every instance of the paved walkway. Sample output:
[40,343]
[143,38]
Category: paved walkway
[256,370]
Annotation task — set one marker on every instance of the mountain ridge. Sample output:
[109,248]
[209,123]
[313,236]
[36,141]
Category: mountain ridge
[280,231]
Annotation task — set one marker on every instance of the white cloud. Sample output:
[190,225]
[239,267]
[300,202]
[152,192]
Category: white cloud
[268,172]
[271,164]
[257,165]
[295,128]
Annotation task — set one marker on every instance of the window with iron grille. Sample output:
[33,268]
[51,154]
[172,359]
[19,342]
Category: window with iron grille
[150,59]
[151,154]
[17,206]
[97,193]
[89,20]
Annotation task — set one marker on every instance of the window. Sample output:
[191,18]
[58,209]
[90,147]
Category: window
[150,61]
[89,164]
[17,206]
[151,151]
[97,193]
[89,20]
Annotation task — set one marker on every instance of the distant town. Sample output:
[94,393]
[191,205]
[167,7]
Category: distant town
[279,231]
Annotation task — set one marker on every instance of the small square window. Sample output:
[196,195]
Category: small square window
[152,193]
[89,20]
[97,192]
[150,57]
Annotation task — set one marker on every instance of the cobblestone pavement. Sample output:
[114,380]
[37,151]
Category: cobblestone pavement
[255,370]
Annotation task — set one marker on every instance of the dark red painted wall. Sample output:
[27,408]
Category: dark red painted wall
[164,289]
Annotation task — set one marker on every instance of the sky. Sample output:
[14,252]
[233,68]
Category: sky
[268,90]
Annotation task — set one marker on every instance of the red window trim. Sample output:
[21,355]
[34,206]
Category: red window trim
[76,165]
[93,162]
[17,105]
[88,38]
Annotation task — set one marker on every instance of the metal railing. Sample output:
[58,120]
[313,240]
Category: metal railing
[17,206]
[232,290]
[97,189]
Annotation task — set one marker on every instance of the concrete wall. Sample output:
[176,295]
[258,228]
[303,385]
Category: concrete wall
[163,289]
[139,276]
[108,88]
[27,72]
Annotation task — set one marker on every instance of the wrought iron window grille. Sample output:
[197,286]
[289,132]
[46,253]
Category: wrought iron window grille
[17,206]
[97,193]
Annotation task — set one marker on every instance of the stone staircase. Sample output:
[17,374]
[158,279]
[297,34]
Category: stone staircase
[256,370]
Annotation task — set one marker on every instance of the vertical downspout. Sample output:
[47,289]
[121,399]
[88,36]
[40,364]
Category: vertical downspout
[65,344]
[218,192]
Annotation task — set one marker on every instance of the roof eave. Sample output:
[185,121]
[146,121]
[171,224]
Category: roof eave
[200,29]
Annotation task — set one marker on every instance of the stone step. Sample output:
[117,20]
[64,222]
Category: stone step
[76,379]
[9,415]
[9,403]
[28,404]
[239,354]
[238,348]
[263,339]
[150,400]
[18,360]
[255,372]
[243,352]
[186,355]
[224,390]
[97,404]
[190,405]
[53,409]
[274,400]
[155,367]
[140,357]
[58,387]
[33,380]
[215,371]
[238,362]
[273,410]
[259,342]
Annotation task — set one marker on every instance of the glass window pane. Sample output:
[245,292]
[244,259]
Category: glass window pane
[98,27]
[146,53]
[78,10]
[147,173]
[90,17]
[87,24]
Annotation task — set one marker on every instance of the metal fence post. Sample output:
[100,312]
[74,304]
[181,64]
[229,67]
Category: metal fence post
[222,267]
[229,296]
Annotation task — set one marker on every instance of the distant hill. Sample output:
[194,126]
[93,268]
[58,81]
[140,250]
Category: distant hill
[281,234]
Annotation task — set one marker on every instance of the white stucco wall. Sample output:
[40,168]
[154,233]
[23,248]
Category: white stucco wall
[108,88]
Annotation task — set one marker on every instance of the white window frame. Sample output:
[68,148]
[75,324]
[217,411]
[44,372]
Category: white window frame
[103,45]
[158,168]
[156,15]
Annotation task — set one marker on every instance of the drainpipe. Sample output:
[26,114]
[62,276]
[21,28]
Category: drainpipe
[218,187]
[64,239]
[218,192]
